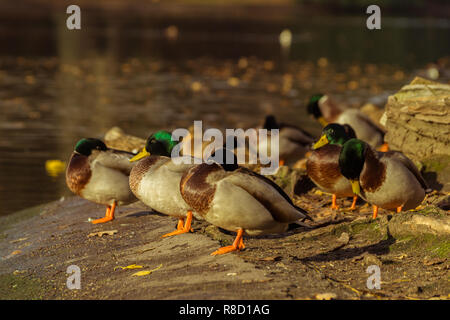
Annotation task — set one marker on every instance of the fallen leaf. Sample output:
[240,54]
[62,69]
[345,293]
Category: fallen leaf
[131,266]
[401,256]
[146,272]
[274,258]
[318,192]
[15,252]
[16,272]
[101,233]
[326,296]
[266,280]
[142,273]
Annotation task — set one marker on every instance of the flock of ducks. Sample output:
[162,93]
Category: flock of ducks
[350,159]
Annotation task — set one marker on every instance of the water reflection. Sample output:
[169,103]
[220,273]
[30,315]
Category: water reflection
[123,71]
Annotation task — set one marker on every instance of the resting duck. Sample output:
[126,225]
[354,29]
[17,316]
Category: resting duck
[100,175]
[385,179]
[155,180]
[293,141]
[237,199]
[322,165]
[326,111]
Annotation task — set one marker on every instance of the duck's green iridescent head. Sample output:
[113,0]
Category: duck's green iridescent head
[335,133]
[314,109]
[351,161]
[86,145]
[159,144]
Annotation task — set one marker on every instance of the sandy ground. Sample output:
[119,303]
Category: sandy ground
[326,261]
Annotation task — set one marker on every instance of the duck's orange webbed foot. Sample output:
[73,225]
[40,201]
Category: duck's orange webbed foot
[384,147]
[180,224]
[281,163]
[334,205]
[102,220]
[109,215]
[353,207]
[180,227]
[375,212]
[399,209]
[237,245]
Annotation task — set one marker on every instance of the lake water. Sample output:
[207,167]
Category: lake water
[57,86]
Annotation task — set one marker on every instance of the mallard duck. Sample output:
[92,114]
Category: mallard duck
[237,199]
[326,111]
[100,174]
[116,138]
[294,142]
[155,180]
[322,165]
[384,179]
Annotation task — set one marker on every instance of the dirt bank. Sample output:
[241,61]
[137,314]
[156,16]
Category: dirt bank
[328,260]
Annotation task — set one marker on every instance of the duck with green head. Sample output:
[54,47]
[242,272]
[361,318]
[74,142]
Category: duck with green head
[237,199]
[325,110]
[322,165]
[100,174]
[388,180]
[155,180]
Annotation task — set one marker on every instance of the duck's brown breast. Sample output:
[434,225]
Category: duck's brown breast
[139,170]
[373,173]
[78,173]
[323,166]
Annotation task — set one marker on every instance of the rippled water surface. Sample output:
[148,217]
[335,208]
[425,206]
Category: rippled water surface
[57,86]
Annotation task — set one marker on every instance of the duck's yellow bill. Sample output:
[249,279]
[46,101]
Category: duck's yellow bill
[355,187]
[322,141]
[144,153]
[322,121]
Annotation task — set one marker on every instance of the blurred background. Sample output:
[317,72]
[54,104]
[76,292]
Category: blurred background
[149,65]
